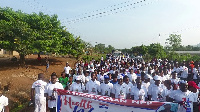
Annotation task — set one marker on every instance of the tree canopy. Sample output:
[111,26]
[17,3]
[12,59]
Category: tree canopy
[29,33]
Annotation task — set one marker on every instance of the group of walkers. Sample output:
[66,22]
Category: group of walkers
[123,77]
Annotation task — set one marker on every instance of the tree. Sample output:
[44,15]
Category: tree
[109,49]
[29,33]
[156,50]
[100,48]
[139,50]
[174,41]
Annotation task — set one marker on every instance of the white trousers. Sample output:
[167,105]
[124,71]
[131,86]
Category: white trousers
[40,104]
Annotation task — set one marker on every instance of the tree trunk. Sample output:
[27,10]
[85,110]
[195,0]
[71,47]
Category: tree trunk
[22,60]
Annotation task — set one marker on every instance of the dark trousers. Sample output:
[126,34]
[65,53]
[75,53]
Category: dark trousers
[52,109]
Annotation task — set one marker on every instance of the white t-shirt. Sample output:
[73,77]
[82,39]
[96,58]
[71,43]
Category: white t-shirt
[195,71]
[106,89]
[193,96]
[120,91]
[130,85]
[49,90]
[178,95]
[93,87]
[67,69]
[77,87]
[166,92]
[39,87]
[132,77]
[154,91]
[137,93]
[184,74]
[3,102]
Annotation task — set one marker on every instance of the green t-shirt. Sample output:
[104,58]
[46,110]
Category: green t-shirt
[63,81]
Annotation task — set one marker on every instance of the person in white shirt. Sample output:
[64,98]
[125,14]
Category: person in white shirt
[193,96]
[3,103]
[129,84]
[106,87]
[93,86]
[184,72]
[80,73]
[138,92]
[77,86]
[195,72]
[132,76]
[167,90]
[50,92]
[155,90]
[182,93]
[120,89]
[87,76]
[67,69]
[39,87]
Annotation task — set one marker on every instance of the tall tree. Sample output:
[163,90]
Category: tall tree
[174,41]
[28,33]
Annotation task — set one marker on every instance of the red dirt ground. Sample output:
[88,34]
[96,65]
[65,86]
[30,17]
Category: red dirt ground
[16,82]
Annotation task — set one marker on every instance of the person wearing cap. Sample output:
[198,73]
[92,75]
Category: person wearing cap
[82,76]
[155,90]
[38,88]
[147,83]
[77,85]
[120,89]
[182,93]
[93,86]
[106,86]
[193,96]
[3,103]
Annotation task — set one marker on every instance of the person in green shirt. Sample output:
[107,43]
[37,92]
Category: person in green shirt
[63,80]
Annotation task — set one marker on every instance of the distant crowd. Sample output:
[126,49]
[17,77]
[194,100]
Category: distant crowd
[124,77]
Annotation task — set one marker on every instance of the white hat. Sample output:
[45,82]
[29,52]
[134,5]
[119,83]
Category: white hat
[119,77]
[147,76]
[167,77]
[78,77]
[182,82]
[156,77]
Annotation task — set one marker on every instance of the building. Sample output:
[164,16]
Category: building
[188,52]
[5,52]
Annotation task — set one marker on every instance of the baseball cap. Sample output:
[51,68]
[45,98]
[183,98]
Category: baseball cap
[193,84]
[119,77]
[78,78]
[156,77]
[106,77]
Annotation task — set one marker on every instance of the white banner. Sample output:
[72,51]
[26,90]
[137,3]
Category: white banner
[69,101]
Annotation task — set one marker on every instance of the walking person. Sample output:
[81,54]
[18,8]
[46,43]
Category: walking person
[38,88]
[3,103]
[50,92]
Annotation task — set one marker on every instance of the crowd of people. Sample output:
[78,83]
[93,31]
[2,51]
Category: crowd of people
[123,77]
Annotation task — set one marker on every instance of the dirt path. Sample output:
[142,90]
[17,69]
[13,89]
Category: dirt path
[16,82]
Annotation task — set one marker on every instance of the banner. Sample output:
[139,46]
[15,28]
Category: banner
[69,101]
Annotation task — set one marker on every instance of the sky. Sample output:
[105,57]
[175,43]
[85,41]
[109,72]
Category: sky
[121,23]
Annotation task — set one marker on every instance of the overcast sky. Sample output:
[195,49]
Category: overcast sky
[121,23]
